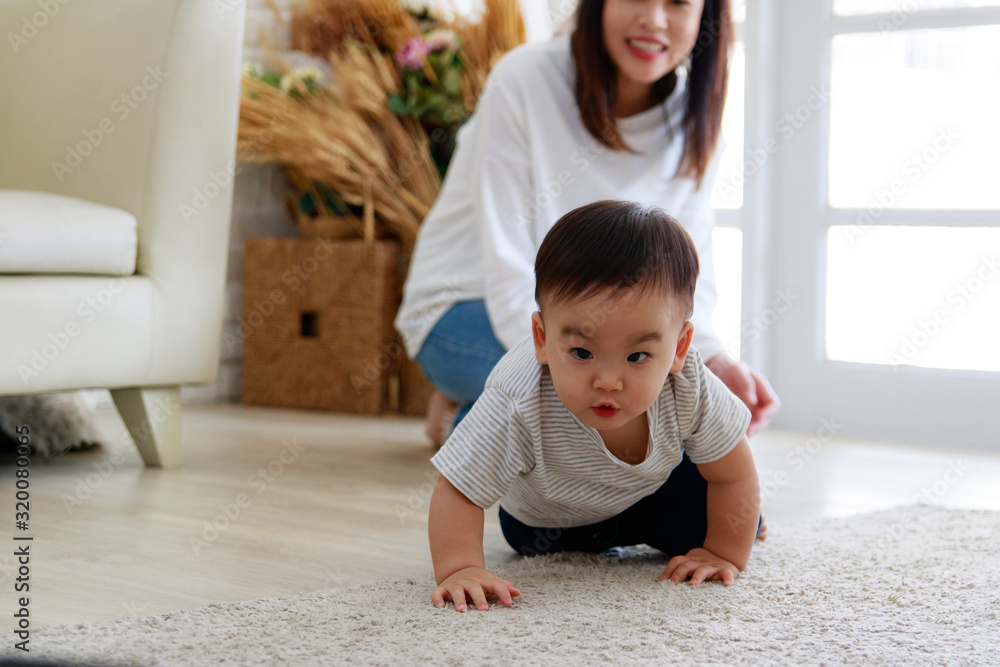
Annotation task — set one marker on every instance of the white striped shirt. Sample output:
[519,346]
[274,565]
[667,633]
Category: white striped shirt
[520,445]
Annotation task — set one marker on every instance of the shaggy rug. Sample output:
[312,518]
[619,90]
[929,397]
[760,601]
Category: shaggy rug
[913,585]
[57,423]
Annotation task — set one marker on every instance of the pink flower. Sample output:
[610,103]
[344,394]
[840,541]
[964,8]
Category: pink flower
[413,54]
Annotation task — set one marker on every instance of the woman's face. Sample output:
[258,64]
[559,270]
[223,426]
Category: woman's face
[648,39]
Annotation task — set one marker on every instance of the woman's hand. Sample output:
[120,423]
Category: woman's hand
[476,583]
[750,387]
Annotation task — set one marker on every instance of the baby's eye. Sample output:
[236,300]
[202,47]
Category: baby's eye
[635,358]
[581,353]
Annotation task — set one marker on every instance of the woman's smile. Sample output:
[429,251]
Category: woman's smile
[645,49]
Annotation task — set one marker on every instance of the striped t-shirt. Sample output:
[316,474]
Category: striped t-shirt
[520,445]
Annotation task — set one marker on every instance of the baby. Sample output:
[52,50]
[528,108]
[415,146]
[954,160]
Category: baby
[604,428]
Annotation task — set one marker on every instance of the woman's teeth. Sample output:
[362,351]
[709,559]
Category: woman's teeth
[651,47]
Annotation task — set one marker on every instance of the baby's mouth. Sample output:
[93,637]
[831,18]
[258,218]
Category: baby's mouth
[605,410]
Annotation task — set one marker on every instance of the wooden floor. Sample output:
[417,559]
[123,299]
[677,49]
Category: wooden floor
[274,502]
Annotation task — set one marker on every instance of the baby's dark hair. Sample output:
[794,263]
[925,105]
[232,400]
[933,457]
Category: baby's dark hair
[616,245]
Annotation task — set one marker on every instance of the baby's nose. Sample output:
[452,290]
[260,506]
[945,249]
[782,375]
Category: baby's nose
[608,380]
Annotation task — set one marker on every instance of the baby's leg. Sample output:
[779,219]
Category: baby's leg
[674,519]
[534,541]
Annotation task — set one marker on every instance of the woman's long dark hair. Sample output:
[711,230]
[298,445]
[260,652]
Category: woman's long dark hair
[597,83]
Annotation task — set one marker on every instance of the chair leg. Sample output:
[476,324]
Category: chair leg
[152,416]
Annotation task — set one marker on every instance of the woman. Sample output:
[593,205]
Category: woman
[629,106]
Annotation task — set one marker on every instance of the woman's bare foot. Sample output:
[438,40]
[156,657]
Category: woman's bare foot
[441,412]
[762,533]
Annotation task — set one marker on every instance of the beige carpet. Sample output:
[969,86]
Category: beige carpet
[917,585]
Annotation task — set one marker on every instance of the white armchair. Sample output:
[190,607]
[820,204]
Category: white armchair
[131,105]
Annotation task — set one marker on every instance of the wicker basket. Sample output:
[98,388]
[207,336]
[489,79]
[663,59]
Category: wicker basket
[414,389]
[323,226]
[318,318]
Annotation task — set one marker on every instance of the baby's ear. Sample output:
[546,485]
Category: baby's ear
[683,343]
[538,333]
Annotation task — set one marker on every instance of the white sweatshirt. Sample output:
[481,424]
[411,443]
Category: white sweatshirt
[524,159]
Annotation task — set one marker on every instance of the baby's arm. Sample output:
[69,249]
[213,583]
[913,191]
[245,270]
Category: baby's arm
[455,527]
[733,493]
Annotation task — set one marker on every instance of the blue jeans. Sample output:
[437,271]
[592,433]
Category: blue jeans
[673,519]
[459,353]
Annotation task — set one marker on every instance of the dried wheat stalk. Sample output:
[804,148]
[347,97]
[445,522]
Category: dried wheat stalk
[322,26]
[347,139]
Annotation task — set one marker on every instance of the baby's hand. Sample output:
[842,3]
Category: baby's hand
[701,565]
[477,583]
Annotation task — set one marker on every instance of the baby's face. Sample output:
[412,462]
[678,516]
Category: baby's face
[610,356]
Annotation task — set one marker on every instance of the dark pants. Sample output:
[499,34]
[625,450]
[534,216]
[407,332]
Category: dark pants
[672,519]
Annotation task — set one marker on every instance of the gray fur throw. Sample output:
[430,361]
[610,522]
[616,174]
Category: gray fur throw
[57,423]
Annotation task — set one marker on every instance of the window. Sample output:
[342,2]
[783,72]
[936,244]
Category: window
[727,198]
[882,214]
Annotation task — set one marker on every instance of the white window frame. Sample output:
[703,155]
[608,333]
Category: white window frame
[785,218]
